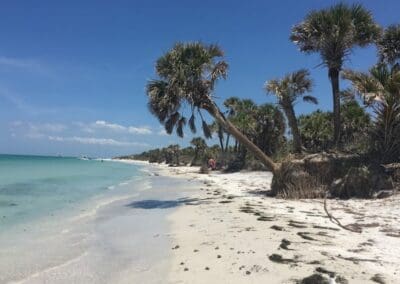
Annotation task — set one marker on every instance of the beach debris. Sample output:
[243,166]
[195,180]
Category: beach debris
[277,228]
[341,280]
[284,244]
[325,228]
[356,260]
[322,270]
[207,268]
[378,278]
[297,224]
[305,235]
[315,262]
[176,247]
[265,218]
[383,194]
[315,278]
[186,269]
[248,272]
[279,259]
[355,229]
[247,209]
[219,256]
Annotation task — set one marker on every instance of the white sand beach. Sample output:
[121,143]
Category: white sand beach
[230,232]
[211,228]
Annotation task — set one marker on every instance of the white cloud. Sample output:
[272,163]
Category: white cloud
[48,127]
[101,124]
[162,132]
[139,130]
[95,141]
[111,126]
[20,63]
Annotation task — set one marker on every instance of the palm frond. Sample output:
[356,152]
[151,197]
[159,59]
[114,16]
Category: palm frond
[206,130]
[192,124]
[310,99]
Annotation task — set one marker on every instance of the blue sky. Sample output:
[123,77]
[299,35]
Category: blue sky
[73,73]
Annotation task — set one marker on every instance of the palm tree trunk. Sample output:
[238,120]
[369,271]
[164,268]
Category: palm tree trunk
[292,120]
[227,142]
[221,143]
[334,77]
[194,158]
[230,128]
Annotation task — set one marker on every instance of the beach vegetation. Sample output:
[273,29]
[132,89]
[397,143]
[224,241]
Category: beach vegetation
[333,33]
[288,90]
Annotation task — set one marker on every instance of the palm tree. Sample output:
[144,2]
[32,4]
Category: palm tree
[316,130]
[217,128]
[380,89]
[187,76]
[333,33]
[288,90]
[270,129]
[199,145]
[389,44]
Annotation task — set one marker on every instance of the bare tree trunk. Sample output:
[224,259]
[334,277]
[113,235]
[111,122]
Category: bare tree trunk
[334,77]
[230,128]
[292,120]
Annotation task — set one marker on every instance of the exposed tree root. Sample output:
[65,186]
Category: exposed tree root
[333,219]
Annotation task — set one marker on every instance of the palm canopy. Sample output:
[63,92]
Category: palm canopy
[287,90]
[187,75]
[389,44]
[334,31]
[380,89]
[290,87]
[198,143]
[381,84]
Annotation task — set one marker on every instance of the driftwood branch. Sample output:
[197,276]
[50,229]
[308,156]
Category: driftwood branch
[333,219]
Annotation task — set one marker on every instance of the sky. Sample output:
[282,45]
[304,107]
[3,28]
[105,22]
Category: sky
[73,73]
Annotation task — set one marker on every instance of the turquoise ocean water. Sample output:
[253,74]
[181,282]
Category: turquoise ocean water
[34,187]
[67,220]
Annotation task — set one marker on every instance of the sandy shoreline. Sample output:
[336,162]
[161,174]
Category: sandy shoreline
[230,233]
[179,226]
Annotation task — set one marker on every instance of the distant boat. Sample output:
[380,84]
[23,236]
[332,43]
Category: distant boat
[84,158]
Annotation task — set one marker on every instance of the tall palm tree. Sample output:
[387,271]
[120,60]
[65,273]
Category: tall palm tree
[380,89]
[333,33]
[186,77]
[288,90]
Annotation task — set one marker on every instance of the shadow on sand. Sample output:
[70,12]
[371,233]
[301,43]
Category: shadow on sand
[165,204]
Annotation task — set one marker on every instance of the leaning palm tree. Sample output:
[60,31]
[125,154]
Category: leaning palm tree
[333,33]
[186,77]
[380,89]
[288,90]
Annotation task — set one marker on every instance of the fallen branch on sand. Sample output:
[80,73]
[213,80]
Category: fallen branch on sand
[334,220]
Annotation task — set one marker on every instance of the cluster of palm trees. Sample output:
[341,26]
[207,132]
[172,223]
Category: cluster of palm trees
[187,74]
